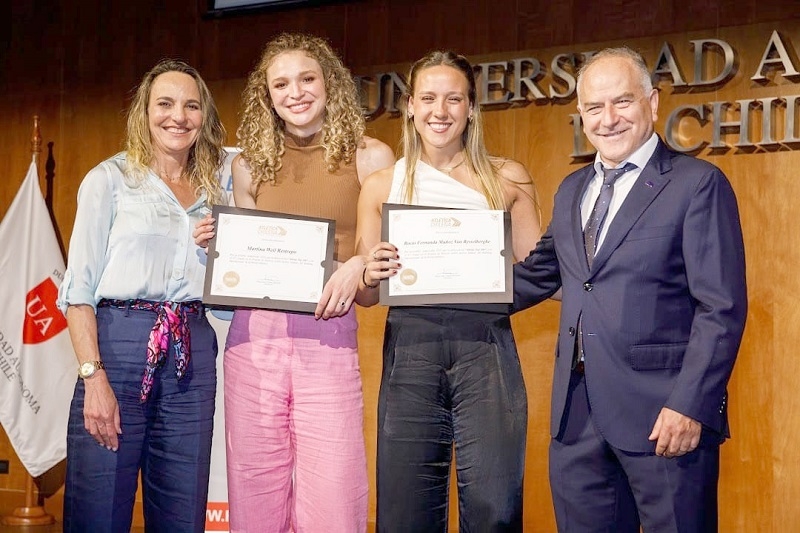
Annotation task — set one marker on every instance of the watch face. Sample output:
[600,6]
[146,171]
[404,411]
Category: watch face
[87,369]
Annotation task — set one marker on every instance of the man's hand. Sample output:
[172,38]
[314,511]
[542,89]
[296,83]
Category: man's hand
[676,434]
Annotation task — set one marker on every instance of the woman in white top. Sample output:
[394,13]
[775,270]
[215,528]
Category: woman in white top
[451,375]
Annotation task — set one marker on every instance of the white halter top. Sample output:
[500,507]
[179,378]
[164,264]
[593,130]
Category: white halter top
[434,188]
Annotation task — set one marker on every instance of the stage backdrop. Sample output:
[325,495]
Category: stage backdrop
[81,83]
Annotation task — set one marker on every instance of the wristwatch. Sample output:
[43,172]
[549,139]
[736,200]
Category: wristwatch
[88,368]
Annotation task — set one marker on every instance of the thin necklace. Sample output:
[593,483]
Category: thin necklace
[164,175]
[448,170]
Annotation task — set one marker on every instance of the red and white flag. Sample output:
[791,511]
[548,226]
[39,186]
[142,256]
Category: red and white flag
[38,368]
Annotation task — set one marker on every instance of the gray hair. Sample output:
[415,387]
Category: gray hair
[622,52]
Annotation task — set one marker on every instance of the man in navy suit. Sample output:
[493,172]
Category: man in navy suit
[652,274]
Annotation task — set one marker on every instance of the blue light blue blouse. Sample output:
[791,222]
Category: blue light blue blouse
[131,242]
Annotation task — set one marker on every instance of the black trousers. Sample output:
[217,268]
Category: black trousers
[451,381]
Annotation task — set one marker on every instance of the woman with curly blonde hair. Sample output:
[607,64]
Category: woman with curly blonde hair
[131,294]
[261,135]
[293,399]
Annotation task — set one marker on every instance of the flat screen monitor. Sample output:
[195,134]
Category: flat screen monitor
[224,7]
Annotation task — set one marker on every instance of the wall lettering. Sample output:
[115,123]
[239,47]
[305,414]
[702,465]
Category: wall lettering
[745,124]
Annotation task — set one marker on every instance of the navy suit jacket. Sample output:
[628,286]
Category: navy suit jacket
[663,305]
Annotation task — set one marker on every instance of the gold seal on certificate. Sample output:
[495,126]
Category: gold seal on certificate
[408,276]
[230,279]
[449,256]
[268,260]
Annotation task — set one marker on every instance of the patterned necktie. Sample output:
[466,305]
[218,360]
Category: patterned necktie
[600,209]
[590,234]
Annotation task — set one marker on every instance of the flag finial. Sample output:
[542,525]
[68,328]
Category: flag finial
[36,138]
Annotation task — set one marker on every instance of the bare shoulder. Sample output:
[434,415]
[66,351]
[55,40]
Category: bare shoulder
[376,186]
[240,165]
[516,181]
[244,190]
[241,171]
[512,171]
[380,178]
[373,155]
[371,144]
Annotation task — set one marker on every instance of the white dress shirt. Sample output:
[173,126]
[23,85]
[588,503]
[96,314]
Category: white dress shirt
[622,186]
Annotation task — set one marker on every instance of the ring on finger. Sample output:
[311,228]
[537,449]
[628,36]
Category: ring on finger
[342,304]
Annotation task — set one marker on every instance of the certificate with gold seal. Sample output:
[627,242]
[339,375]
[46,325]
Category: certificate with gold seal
[268,260]
[448,256]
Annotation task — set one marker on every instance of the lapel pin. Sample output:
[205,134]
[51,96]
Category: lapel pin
[649,184]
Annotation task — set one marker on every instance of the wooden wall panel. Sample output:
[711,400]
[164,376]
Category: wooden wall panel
[370,344]
[75,64]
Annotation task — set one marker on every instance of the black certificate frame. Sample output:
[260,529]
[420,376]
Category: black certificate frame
[264,301]
[495,297]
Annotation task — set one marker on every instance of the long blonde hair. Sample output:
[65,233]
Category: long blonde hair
[261,131]
[477,158]
[206,154]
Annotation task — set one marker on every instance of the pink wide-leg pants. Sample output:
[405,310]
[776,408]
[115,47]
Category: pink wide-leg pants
[294,424]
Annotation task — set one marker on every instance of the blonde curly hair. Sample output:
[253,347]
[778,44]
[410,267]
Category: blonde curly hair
[205,156]
[261,131]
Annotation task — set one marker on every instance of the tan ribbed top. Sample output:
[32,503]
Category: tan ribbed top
[303,186]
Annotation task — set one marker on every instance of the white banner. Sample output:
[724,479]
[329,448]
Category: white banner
[217,509]
[38,368]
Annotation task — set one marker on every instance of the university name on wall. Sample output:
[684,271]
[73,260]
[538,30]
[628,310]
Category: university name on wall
[746,124]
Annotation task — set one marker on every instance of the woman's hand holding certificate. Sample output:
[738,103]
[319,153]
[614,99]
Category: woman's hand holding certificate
[449,256]
[268,260]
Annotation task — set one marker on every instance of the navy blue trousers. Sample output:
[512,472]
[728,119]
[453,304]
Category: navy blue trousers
[451,382]
[167,438]
[598,488]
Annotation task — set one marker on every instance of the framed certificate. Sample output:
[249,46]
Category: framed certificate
[268,260]
[449,256]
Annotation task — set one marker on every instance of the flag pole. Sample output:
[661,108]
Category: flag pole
[32,514]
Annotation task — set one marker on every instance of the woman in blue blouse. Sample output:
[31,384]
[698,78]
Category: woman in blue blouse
[144,400]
